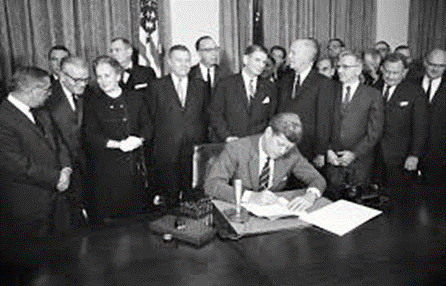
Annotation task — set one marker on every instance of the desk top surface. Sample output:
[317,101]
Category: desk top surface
[406,245]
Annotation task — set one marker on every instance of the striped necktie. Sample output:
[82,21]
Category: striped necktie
[264,176]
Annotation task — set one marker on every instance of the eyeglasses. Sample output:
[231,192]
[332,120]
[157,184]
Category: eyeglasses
[346,66]
[77,80]
[436,65]
[210,49]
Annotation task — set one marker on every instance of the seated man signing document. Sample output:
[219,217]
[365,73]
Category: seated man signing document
[263,162]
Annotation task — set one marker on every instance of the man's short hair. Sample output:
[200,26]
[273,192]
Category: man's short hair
[73,60]
[280,48]
[354,54]
[396,57]
[255,48]
[325,58]
[288,124]
[197,43]
[60,48]
[126,42]
[402,47]
[341,42]
[376,55]
[177,48]
[383,43]
[26,76]
[108,60]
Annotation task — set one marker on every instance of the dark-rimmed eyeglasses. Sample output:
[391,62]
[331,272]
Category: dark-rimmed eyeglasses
[78,80]
[210,49]
[436,65]
[346,66]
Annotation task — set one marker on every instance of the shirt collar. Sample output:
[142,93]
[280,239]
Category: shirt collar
[303,75]
[176,79]
[25,109]
[129,66]
[353,86]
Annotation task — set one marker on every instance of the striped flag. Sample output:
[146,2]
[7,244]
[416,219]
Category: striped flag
[149,33]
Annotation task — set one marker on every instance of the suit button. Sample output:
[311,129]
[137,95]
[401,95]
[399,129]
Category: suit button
[112,107]
[121,106]
[124,119]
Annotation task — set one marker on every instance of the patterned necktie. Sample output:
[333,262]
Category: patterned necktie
[180,91]
[346,95]
[296,85]
[264,176]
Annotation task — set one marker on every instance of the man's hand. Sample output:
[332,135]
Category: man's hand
[411,163]
[64,179]
[319,161]
[231,138]
[301,203]
[332,158]
[346,157]
[263,198]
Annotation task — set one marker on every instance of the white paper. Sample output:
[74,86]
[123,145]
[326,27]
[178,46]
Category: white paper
[273,211]
[340,217]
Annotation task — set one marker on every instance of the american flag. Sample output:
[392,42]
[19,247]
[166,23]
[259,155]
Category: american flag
[149,33]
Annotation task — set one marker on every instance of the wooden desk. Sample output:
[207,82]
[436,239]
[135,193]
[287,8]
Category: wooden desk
[404,246]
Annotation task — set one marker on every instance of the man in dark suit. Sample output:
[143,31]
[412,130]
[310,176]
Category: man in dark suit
[177,108]
[208,70]
[66,105]
[434,84]
[55,56]
[135,76]
[405,124]
[243,103]
[34,162]
[263,162]
[310,95]
[358,125]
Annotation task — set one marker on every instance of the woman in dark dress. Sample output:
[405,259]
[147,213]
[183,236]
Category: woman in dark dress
[117,125]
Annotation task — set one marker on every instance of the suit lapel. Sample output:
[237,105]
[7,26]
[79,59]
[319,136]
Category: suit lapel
[253,162]
[307,83]
[173,92]
[242,92]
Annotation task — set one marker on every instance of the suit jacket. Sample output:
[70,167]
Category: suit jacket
[176,129]
[405,123]
[30,164]
[68,122]
[220,74]
[230,114]
[240,159]
[313,103]
[435,148]
[140,78]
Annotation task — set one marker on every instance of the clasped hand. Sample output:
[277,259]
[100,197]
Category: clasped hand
[130,144]
[341,158]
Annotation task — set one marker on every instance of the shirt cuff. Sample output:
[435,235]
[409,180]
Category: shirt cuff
[314,191]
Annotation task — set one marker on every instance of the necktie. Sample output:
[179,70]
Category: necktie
[346,95]
[180,91]
[296,85]
[37,120]
[209,82]
[76,101]
[386,93]
[428,91]
[264,176]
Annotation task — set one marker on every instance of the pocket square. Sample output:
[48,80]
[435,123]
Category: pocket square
[141,85]
[266,100]
[403,103]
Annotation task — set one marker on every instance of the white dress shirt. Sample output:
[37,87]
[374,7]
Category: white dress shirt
[434,86]
[204,73]
[353,87]
[247,81]
[391,90]
[22,107]
[69,97]
[184,82]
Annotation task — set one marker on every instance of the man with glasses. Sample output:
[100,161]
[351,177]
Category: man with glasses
[264,162]
[358,125]
[405,124]
[66,106]
[434,85]
[208,69]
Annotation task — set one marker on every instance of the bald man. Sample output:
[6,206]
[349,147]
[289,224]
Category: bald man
[310,95]
[433,82]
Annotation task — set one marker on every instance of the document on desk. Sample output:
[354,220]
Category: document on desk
[340,217]
[272,211]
